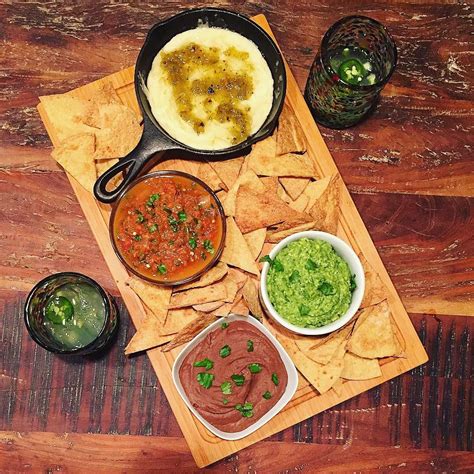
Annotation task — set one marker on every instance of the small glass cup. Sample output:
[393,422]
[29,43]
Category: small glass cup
[335,102]
[35,309]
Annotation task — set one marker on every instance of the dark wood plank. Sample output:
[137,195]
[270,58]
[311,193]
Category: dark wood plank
[423,124]
[113,394]
[48,452]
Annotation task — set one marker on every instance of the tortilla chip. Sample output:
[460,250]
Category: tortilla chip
[301,166]
[322,377]
[232,288]
[254,210]
[325,210]
[323,350]
[157,298]
[255,240]
[118,130]
[250,295]
[105,94]
[238,277]
[76,156]
[301,203]
[225,309]
[375,290]
[213,275]
[177,319]
[294,186]
[249,178]
[290,136]
[195,296]
[148,335]
[208,307]
[236,251]
[358,368]
[276,236]
[227,170]
[65,113]
[190,330]
[207,174]
[337,387]
[373,335]
[240,307]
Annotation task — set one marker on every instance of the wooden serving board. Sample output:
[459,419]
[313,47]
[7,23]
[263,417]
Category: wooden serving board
[205,447]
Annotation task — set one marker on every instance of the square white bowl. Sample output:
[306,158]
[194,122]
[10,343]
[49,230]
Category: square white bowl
[287,394]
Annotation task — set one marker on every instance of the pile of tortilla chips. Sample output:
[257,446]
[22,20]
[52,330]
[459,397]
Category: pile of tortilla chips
[93,133]
[267,195]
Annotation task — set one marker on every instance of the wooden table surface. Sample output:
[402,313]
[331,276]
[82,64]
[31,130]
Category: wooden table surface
[410,170]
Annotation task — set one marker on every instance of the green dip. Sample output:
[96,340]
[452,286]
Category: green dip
[309,284]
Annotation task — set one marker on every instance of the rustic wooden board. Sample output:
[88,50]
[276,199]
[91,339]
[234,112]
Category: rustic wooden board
[205,447]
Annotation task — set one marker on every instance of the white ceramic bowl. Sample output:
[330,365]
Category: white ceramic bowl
[287,362]
[344,251]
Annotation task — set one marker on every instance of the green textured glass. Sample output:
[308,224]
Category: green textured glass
[333,93]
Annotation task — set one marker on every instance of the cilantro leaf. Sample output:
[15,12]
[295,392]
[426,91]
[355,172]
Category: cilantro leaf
[275,378]
[205,379]
[267,395]
[249,346]
[326,288]
[352,283]
[255,368]
[238,379]
[226,388]
[310,265]
[207,363]
[225,351]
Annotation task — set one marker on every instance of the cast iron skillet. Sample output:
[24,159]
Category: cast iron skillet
[154,139]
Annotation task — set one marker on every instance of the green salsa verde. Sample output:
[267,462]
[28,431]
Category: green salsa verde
[309,284]
[74,314]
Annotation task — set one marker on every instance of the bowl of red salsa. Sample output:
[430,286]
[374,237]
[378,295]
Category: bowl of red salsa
[168,227]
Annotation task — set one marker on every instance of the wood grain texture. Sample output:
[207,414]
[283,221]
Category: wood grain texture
[51,452]
[207,448]
[424,122]
[418,141]
[425,408]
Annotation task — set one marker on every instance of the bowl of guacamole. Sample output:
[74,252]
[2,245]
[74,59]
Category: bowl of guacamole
[312,283]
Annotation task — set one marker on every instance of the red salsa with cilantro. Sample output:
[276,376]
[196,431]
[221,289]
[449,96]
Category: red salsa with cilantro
[167,228]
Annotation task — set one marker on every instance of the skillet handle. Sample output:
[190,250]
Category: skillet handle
[150,143]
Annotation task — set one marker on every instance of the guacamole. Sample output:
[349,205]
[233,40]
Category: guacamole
[309,284]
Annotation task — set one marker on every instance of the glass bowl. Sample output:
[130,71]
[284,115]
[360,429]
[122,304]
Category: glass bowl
[158,279]
[34,314]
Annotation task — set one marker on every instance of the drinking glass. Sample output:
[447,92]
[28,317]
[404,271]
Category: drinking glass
[333,97]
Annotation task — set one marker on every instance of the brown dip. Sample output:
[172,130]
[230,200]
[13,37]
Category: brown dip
[209,402]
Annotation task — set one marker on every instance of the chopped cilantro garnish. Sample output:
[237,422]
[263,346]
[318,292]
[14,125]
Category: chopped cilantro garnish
[310,264]
[238,379]
[152,199]
[205,379]
[266,258]
[277,265]
[267,395]
[174,224]
[153,228]
[353,284]
[225,401]
[208,246]
[275,378]
[226,388]
[182,216]
[206,363]
[294,276]
[303,310]
[225,351]
[249,346]
[162,269]
[192,243]
[140,218]
[326,288]
[137,237]
[246,409]
[255,368]
[225,325]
